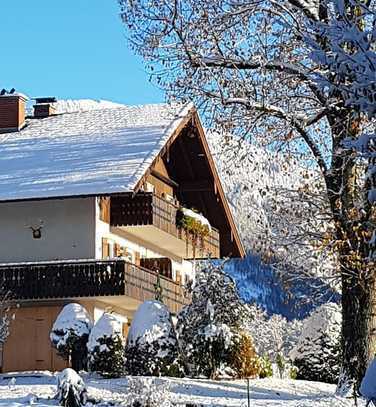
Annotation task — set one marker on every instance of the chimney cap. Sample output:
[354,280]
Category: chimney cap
[12,93]
[46,99]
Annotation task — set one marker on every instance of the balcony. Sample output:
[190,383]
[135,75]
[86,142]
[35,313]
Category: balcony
[148,217]
[85,279]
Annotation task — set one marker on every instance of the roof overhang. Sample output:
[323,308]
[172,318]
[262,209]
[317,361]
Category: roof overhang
[193,121]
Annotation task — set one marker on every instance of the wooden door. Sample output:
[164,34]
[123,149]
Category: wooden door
[28,346]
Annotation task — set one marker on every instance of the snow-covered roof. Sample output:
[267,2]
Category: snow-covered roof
[92,148]
[15,94]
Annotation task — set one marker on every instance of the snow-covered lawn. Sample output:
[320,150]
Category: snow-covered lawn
[38,389]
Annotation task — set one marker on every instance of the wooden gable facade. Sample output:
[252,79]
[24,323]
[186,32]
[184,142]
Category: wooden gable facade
[185,171]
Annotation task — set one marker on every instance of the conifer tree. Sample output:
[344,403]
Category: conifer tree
[106,347]
[317,354]
[70,333]
[152,348]
[210,327]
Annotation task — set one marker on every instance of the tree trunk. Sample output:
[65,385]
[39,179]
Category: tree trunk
[358,328]
[353,220]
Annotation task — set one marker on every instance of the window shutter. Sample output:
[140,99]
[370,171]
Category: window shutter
[105,248]
[137,258]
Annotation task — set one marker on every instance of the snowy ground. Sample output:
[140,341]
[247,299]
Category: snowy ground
[38,389]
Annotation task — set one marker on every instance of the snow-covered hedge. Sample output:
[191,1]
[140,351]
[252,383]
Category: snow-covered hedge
[210,327]
[318,351]
[71,389]
[70,333]
[105,347]
[152,347]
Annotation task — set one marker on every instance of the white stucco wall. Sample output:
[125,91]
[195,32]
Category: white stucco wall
[68,230]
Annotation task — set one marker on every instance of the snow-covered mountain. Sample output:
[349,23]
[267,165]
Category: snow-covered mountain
[292,298]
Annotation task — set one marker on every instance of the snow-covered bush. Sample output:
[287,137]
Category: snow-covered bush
[146,392]
[71,390]
[274,337]
[152,347]
[211,325]
[318,351]
[105,347]
[70,334]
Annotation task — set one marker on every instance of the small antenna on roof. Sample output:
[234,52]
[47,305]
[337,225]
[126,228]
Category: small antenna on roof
[12,91]
[3,92]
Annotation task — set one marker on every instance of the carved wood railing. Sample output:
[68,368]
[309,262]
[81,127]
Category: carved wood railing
[162,265]
[146,208]
[141,283]
[92,278]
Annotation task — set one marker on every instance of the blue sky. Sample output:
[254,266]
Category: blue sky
[70,49]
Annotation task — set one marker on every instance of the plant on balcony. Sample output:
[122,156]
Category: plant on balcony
[158,289]
[195,226]
[152,347]
[70,333]
[106,347]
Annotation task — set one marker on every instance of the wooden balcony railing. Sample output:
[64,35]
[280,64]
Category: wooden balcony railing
[93,278]
[141,284]
[146,208]
[162,265]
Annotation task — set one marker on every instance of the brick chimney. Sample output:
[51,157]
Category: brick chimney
[12,111]
[44,107]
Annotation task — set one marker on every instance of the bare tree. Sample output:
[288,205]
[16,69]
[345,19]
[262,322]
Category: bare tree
[6,315]
[281,210]
[298,75]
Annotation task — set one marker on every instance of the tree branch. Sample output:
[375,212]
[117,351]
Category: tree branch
[281,114]
[279,66]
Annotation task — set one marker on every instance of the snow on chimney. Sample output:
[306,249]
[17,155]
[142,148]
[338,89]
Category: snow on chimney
[44,107]
[12,111]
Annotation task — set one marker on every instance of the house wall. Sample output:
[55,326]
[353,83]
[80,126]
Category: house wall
[138,249]
[67,232]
